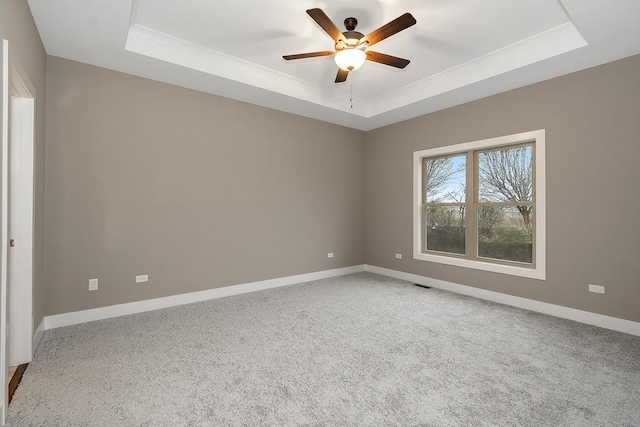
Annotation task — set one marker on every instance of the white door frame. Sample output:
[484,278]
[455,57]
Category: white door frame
[4,226]
[20,308]
[21,180]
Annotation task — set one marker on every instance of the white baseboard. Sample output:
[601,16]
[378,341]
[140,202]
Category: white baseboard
[37,336]
[607,322]
[76,317]
[73,318]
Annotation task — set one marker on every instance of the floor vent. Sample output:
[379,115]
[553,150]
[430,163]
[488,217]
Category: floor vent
[422,286]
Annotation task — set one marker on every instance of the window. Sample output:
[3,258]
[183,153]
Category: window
[481,205]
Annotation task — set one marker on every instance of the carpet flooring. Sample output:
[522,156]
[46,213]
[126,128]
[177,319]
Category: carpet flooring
[358,350]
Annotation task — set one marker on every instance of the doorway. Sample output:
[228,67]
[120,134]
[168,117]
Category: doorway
[20,263]
[17,219]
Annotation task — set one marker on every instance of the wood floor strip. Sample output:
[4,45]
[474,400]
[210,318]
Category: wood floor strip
[15,380]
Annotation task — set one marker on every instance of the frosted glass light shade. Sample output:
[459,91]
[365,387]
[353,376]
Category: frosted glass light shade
[350,59]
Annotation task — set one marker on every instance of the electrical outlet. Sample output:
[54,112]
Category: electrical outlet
[597,289]
[330,255]
[142,278]
[93,284]
[398,256]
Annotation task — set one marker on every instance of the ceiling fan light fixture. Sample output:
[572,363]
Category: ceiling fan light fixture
[351,45]
[350,59]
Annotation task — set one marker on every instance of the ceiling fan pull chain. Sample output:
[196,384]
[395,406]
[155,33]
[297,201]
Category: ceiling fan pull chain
[351,93]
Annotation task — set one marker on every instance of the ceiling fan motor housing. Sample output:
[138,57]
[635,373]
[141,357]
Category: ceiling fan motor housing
[350,23]
[352,40]
[352,37]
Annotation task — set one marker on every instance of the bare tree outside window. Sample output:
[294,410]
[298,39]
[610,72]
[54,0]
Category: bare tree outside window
[459,196]
[488,217]
[505,191]
[440,176]
[507,176]
[481,204]
[444,217]
[502,208]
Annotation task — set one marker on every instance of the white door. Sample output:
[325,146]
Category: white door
[4,225]
[17,111]
[20,262]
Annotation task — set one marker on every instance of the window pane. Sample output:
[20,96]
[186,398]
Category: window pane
[444,226]
[506,175]
[505,233]
[445,179]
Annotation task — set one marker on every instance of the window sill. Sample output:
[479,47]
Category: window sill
[538,273]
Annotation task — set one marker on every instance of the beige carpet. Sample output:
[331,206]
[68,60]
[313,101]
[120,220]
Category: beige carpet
[358,350]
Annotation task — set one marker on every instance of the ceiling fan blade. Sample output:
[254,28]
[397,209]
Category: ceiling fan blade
[327,24]
[400,23]
[382,58]
[342,75]
[309,55]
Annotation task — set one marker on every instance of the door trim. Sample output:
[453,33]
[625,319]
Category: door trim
[4,223]
[21,218]
[13,77]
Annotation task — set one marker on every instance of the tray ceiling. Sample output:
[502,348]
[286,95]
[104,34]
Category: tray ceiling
[460,50]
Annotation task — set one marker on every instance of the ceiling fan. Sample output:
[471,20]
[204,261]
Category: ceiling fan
[350,52]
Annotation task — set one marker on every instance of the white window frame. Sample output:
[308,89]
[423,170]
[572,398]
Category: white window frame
[536,272]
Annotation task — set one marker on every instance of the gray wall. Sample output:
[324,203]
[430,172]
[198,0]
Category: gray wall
[202,192]
[195,190]
[592,119]
[17,26]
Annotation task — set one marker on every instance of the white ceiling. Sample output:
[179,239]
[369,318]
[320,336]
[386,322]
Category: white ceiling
[460,50]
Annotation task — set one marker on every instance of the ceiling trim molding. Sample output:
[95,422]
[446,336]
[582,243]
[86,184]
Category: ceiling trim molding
[545,45]
[158,45]
[162,46]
